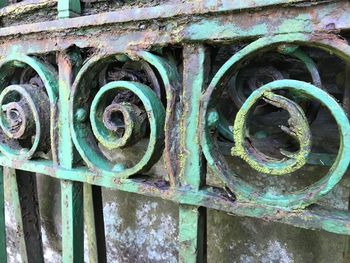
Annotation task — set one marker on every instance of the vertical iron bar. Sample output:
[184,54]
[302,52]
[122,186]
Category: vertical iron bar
[3,3]
[192,219]
[68,8]
[3,255]
[25,202]
[93,218]
[71,192]
[192,234]
[12,181]
[72,222]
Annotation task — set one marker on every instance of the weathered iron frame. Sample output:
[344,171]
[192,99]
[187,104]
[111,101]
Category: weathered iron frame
[197,23]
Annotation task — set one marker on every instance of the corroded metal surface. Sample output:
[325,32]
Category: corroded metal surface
[101,100]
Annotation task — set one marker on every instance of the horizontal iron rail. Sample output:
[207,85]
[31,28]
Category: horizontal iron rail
[147,27]
[315,217]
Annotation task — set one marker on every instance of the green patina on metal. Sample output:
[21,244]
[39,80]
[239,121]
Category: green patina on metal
[68,8]
[31,119]
[239,187]
[237,91]
[38,105]
[71,191]
[192,219]
[298,128]
[155,113]
[105,83]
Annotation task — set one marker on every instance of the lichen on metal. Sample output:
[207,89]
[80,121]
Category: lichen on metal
[257,160]
[298,128]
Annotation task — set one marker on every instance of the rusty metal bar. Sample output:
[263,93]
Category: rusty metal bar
[93,219]
[26,206]
[60,34]
[192,222]
[311,218]
[71,192]
[72,222]
[69,8]
[192,234]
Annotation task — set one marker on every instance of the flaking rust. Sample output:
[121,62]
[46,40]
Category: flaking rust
[148,81]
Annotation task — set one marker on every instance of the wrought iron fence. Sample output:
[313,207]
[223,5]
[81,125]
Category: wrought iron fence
[76,89]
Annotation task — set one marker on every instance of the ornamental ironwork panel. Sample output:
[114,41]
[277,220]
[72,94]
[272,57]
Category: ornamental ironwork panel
[225,95]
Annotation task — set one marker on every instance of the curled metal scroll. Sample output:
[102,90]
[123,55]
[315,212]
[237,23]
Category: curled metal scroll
[27,109]
[127,108]
[239,92]
[298,129]
[298,126]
